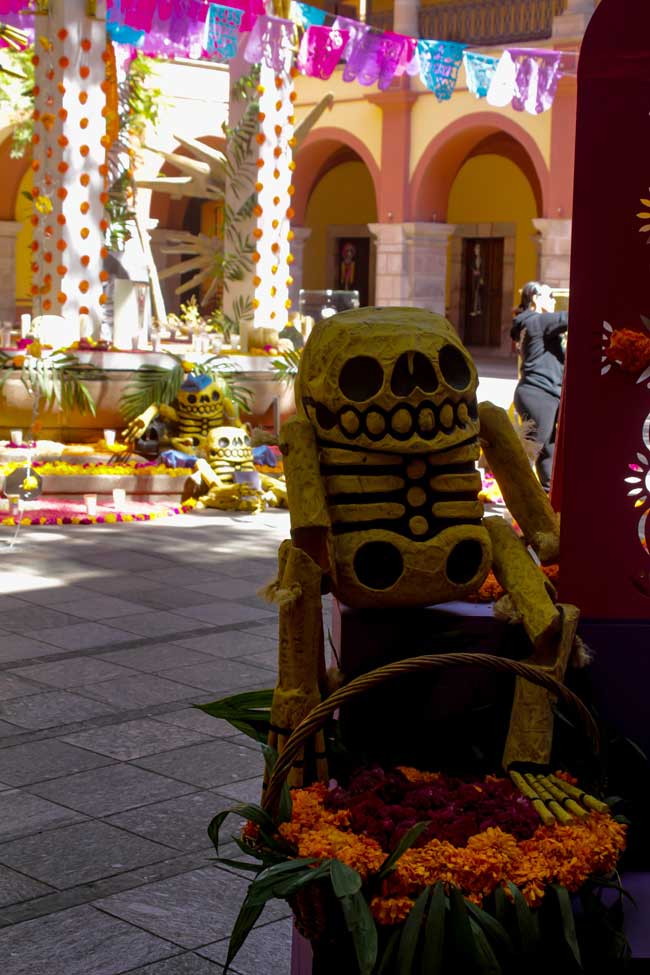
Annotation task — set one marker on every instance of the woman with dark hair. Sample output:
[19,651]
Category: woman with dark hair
[540,331]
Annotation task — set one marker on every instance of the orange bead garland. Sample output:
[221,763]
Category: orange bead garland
[84,286]
[84,233]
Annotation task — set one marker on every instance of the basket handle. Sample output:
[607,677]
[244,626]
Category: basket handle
[315,720]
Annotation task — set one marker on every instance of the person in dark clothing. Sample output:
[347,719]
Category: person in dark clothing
[540,332]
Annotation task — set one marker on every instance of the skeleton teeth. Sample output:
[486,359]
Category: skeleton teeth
[402,422]
[426,420]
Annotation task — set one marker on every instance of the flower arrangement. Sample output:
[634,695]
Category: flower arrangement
[400,870]
[110,518]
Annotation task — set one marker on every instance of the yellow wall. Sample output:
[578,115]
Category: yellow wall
[24,210]
[492,189]
[345,195]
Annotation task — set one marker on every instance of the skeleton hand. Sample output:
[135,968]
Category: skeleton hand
[138,425]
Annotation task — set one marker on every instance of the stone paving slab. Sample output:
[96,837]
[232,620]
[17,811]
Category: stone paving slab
[207,765]
[135,739]
[110,806]
[80,941]
[265,950]
[77,854]
[104,791]
[51,709]
[22,814]
[39,760]
[181,823]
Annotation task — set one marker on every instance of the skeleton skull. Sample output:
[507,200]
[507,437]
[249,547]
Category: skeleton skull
[363,382]
[200,398]
[229,448]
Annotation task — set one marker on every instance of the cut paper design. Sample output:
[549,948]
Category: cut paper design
[356,33]
[409,62]
[177,30]
[440,63]
[503,86]
[375,59]
[320,51]
[538,74]
[222,35]
[307,16]
[138,13]
[479,71]
[271,41]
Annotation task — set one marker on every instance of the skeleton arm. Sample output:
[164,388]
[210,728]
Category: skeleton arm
[310,520]
[522,492]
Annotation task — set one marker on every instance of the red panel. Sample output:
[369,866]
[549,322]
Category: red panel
[605,568]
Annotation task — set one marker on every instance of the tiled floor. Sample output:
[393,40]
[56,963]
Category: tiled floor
[108,777]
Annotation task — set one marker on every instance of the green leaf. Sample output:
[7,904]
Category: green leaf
[526,922]
[285,805]
[501,904]
[459,931]
[486,959]
[568,921]
[386,963]
[248,811]
[492,929]
[434,933]
[404,844]
[345,880]
[249,712]
[283,880]
[411,934]
[361,925]
[248,915]
[239,864]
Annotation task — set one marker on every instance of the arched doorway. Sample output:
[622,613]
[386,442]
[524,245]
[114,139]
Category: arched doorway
[485,176]
[335,200]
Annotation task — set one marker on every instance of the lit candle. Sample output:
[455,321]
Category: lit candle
[25,324]
[119,498]
[90,500]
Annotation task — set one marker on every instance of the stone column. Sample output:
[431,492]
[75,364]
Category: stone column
[300,238]
[575,19]
[554,243]
[9,230]
[405,17]
[69,162]
[412,264]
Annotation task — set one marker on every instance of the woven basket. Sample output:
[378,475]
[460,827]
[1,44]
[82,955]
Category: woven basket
[317,912]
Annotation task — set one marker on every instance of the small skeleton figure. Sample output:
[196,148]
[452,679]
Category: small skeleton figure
[380,463]
[228,479]
[200,407]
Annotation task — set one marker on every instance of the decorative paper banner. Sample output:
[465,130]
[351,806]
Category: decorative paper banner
[118,31]
[138,14]
[356,33]
[177,30]
[503,86]
[309,16]
[222,34]
[11,6]
[375,59]
[479,70]
[320,51]
[440,63]
[409,62]
[539,72]
[271,41]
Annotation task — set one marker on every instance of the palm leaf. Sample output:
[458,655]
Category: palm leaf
[151,385]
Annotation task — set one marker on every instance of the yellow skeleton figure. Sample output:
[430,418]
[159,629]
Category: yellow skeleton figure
[380,463]
[200,407]
[215,483]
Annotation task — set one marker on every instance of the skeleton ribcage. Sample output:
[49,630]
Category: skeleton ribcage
[190,426]
[415,496]
[225,470]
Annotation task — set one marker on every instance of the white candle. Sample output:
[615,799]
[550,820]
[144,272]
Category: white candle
[119,498]
[16,436]
[109,437]
[25,324]
[90,500]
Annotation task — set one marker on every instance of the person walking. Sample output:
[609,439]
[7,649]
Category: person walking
[540,333]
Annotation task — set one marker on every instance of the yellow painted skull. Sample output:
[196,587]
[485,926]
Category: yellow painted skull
[389,379]
[200,399]
[229,447]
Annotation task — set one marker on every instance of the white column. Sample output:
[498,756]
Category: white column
[412,264]
[9,230]
[554,243]
[69,161]
[574,21]
[300,238]
[405,17]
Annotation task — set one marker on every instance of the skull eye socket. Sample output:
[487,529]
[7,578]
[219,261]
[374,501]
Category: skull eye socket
[223,441]
[191,398]
[361,378]
[454,367]
[413,370]
[247,441]
[215,395]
